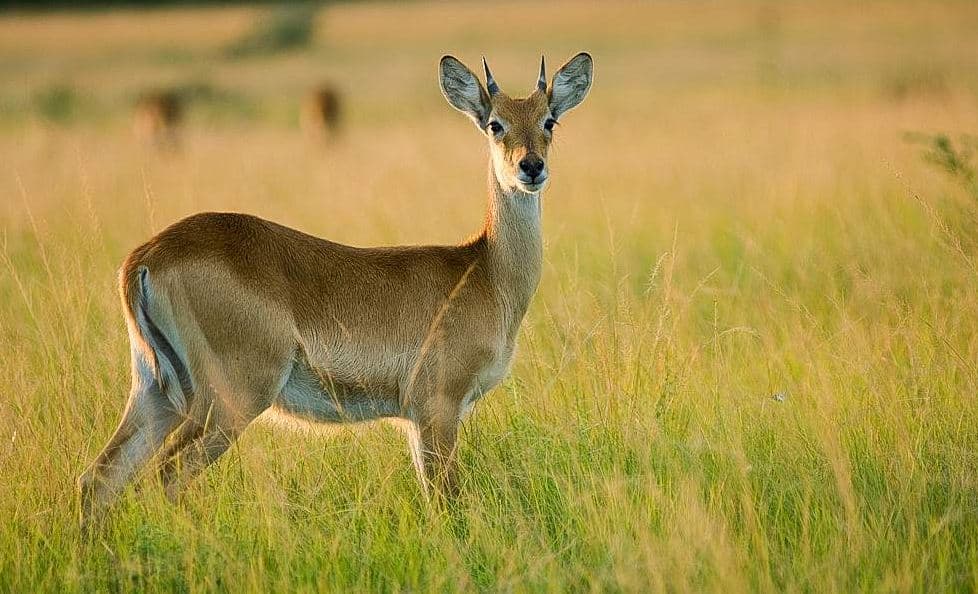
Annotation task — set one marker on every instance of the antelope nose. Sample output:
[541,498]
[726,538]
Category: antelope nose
[531,165]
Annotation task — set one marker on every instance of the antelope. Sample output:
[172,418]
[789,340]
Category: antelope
[320,114]
[231,316]
[156,118]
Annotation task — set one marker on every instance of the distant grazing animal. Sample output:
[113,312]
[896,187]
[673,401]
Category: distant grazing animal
[157,117]
[231,316]
[320,114]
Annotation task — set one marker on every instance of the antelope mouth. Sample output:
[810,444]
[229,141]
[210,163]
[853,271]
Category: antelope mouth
[534,186]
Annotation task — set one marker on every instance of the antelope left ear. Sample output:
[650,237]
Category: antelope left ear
[571,84]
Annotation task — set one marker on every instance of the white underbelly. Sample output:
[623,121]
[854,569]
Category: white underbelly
[305,397]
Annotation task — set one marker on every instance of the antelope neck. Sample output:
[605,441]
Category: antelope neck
[514,243]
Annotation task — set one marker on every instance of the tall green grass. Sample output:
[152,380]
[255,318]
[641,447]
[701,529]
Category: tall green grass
[752,364]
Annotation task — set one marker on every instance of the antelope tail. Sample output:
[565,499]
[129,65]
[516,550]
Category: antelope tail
[168,366]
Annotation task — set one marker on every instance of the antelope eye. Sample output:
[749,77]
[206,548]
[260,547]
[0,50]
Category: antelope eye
[495,127]
[549,124]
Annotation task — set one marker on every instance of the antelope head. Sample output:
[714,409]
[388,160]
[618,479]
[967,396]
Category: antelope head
[519,130]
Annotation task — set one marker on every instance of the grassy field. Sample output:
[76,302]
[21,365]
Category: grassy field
[752,364]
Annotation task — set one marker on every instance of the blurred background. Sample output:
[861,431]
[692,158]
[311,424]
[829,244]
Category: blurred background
[750,363]
[692,100]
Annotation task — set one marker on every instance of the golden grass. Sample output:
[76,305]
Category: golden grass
[734,215]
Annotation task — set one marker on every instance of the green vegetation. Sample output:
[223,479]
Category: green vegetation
[58,104]
[284,29]
[956,160]
[752,364]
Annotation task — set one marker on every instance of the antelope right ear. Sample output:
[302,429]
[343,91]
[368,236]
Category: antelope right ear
[464,91]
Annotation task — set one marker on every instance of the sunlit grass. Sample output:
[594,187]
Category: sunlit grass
[751,366]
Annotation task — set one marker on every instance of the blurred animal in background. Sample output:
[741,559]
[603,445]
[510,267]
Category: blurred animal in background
[320,114]
[157,118]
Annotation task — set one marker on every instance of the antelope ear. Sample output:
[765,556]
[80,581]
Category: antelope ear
[571,84]
[464,91]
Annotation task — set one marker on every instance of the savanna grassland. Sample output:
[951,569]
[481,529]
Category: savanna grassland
[752,364]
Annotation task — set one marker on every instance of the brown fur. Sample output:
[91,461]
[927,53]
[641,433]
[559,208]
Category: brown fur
[243,306]
[320,116]
[525,135]
[157,117]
